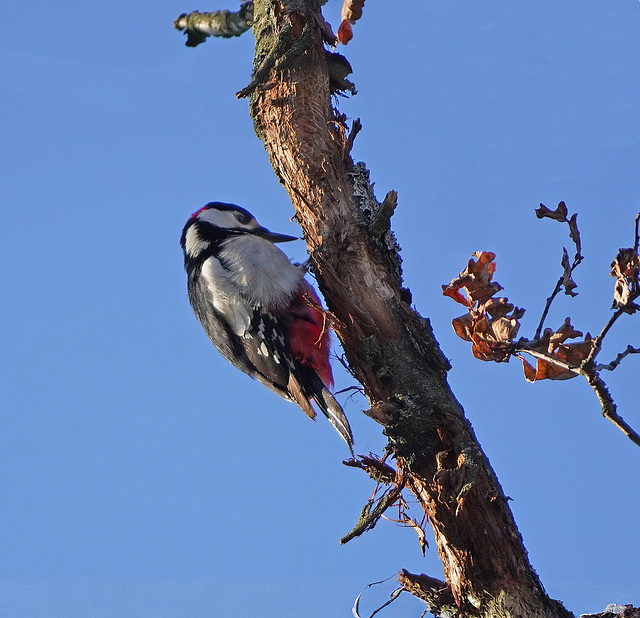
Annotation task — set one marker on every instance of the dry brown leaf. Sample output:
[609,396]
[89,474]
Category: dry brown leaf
[566,331]
[626,268]
[475,280]
[568,283]
[552,344]
[505,329]
[559,214]
[575,234]
[463,326]
[491,323]
[575,353]
[498,307]
[545,370]
[491,338]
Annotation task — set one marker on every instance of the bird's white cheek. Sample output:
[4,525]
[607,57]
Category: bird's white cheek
[194,245]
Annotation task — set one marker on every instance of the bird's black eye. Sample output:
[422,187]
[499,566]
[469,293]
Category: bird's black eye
[242,217]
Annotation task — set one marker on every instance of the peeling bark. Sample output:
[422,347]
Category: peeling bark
[390,348]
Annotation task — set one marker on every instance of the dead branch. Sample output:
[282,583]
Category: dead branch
[226,24]
[369,517]
[434,592]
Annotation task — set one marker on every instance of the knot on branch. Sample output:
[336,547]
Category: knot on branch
[376,216]
[382,412]
[454,483]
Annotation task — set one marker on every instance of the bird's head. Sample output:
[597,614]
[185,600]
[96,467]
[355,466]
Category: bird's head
[217,222]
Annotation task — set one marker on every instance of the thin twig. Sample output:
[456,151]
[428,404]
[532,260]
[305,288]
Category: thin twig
[356,605]
[609,408]
[618,359]
[357,389]
[550,359]
[356,127]
[597,341]
[394,595]
[590,372]
[555,292]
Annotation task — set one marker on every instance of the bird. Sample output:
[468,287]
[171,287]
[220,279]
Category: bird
[258,309]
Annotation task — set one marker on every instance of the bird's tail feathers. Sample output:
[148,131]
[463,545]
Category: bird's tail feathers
[321,395]
[295,391]
[334,412]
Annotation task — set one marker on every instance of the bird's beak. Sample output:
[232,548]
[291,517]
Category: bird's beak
[273,236]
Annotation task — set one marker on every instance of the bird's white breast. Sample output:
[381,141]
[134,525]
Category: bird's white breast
[249,272]
[261,271]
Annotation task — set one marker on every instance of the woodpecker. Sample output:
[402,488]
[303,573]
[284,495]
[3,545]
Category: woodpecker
[257,308]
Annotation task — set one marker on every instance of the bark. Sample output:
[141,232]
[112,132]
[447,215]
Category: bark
[390,348]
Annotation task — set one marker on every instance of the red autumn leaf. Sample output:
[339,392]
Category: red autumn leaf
[351,13]
[345,32]
[482,350]
[454,292]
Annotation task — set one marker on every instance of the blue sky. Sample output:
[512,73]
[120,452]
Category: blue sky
[141,475]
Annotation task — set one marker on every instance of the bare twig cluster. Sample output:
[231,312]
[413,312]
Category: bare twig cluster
[387,493]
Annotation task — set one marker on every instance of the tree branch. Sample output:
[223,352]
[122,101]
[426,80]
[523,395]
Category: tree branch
[390,348]
[609,408]
[434,592]
[589,370]
[560,214]
[561,281]
[198,26]
[618,359]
